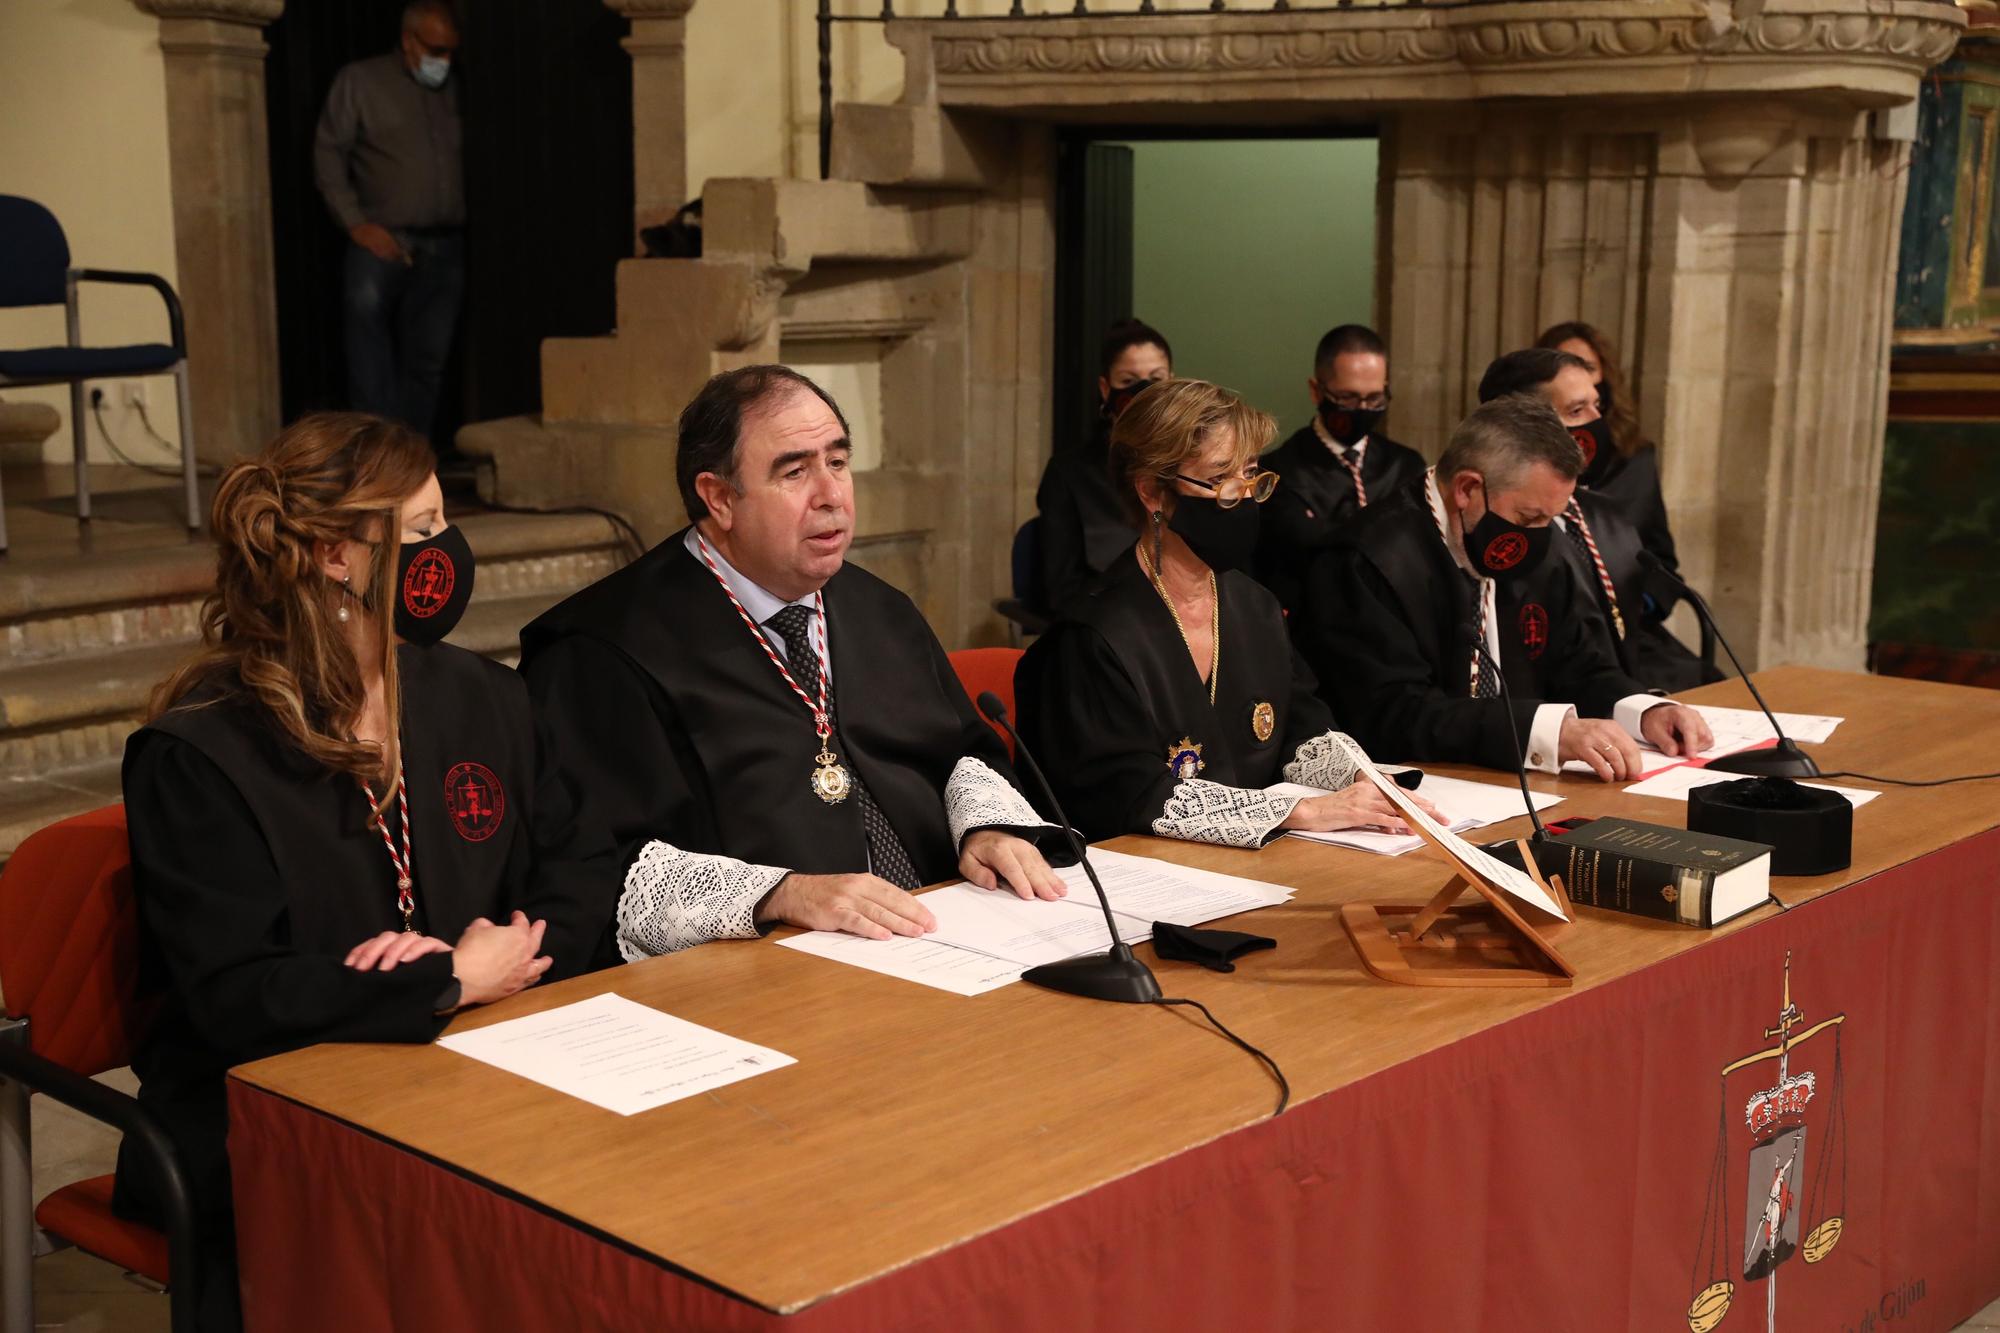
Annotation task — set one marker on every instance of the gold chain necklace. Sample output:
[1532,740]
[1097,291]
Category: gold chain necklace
[1214,622]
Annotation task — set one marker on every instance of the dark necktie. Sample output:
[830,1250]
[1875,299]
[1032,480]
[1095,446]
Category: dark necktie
[1486,683]
[1352,461]
[886,855]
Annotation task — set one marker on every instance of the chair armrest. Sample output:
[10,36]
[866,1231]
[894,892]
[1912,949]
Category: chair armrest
[123,1112]
[153,280]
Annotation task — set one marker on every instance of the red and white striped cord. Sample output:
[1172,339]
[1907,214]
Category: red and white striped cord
[822,716]
[406,902]
[1575,515]
[1444,534]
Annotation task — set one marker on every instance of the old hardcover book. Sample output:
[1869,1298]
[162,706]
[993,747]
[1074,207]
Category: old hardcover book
[1672,874]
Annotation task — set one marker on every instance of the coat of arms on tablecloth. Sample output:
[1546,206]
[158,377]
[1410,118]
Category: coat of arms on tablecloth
[1794,1204]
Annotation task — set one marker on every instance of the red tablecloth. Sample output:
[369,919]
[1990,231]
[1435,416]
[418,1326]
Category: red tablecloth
[1586,1167]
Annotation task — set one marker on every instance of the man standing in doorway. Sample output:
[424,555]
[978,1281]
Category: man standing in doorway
[387,160]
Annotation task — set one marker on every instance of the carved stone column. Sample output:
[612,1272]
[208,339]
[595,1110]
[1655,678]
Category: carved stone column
[220,168]
[658,43]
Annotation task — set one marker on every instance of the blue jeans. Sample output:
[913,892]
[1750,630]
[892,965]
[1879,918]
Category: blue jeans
[399,319]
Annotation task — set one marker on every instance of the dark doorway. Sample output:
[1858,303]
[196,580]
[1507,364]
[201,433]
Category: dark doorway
[546,95]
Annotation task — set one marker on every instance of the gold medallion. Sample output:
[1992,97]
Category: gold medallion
[1184,758]
[831,781]
[1263,720]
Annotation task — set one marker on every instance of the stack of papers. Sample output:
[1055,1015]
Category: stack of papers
[986,938]
[1466,805]
[1675,784]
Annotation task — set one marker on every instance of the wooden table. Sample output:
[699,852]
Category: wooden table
[916,1121]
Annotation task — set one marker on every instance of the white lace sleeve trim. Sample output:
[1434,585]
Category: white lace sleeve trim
[976,797]
[1324,762]
[675,899]
[1198,811]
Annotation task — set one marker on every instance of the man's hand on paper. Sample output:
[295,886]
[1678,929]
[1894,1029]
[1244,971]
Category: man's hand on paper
[1360,805]
[864,905]
[1675,729]
[1602,744]
[992,859]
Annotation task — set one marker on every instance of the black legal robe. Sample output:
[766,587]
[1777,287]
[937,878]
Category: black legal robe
[1109,694]
[1084,527]
[256,870]
[1315,500]
[1389,630]
[1632,482]
[1648,651]
[665,706]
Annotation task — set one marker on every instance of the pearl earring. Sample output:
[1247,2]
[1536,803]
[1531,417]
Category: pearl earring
[347,592]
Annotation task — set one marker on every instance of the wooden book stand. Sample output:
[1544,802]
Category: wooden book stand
[1489,943]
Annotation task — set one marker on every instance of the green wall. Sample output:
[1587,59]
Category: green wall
[1246,251]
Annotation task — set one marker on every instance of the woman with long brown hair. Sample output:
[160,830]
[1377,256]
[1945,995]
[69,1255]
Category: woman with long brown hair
[330,810]
[1169,697]
[1620,463]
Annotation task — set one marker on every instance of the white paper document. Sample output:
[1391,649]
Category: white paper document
[924,960]
[1740,729]
[1675,784]
[1025,931]
[1467,804]
[615,1053]
[1153,890]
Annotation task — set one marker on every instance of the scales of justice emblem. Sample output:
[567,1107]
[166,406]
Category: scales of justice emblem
[1781,1201]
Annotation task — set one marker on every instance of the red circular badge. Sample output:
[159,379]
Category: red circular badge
[427,586]
[1586,442]
[475,801]
[1534,621]
[1504,552]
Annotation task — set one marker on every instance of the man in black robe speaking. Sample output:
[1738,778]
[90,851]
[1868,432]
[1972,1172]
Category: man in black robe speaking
[1398,613]
[771,733]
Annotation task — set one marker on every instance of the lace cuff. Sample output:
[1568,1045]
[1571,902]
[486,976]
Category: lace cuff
[1198,811]
[976,797]
[1323,762]
[675,899]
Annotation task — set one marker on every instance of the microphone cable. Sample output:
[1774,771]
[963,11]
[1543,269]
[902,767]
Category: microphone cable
[1284,1085]
[1915,782]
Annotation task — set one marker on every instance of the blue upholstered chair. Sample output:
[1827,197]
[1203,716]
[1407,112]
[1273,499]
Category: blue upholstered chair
[34,270]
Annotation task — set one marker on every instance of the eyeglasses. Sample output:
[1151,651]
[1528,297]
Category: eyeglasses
[1233,491]
[1354,402]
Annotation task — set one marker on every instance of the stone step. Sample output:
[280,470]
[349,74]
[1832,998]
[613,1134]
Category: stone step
[55,608]
[60,714]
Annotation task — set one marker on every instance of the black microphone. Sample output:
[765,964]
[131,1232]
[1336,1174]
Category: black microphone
[1514,734]
[1115,975]
[1786,759]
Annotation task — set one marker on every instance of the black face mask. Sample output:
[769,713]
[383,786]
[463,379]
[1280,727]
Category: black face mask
[1349,425]
[1503,550]
[433,585]
[1120,398]
[1594,438]
[1222,539]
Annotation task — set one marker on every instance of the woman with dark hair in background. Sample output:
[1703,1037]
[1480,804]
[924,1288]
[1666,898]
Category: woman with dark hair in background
[1620,464]
[330,809]
[1083,525]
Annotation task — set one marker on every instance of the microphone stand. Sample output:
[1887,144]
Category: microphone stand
[1784,760]
[1514,735]
[1113,975]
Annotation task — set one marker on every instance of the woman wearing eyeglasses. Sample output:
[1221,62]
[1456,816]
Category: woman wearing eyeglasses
[1169,697]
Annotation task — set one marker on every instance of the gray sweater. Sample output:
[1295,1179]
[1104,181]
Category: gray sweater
[387,149]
